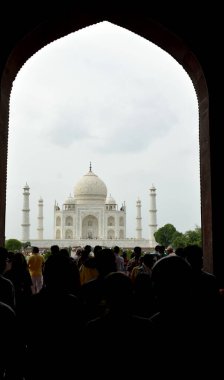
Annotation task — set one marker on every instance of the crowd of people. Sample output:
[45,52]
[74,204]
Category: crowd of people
[102,306]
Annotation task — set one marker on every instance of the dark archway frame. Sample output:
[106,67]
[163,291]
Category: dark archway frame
[57,27]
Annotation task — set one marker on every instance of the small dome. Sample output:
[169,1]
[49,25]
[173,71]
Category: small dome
[110,200]
[90,187]
[70,200]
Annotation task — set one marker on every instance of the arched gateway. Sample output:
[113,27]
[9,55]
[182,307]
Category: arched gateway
[30,32]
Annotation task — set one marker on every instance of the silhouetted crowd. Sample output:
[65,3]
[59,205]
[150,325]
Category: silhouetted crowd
[103,314]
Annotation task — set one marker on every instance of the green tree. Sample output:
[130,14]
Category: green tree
[164,235]
[26,244]
[179,240]
[194,237]
[168,235]
[13,245]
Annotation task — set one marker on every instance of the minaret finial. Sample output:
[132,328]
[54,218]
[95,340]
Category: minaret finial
[90,166]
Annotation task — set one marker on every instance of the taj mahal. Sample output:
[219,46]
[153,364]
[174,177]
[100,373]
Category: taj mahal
[89,216]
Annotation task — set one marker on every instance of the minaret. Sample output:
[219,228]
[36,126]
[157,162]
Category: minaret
[26,214]
[138,220]
[152,215]
[40,228]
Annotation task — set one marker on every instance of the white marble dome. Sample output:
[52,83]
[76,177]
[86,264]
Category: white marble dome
[70,200]
[90,188]
[110,200]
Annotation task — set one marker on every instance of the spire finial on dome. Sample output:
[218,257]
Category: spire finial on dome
[90,166]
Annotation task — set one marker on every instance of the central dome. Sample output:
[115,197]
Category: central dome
[90,188]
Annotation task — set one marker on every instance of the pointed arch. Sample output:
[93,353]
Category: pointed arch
[44,31]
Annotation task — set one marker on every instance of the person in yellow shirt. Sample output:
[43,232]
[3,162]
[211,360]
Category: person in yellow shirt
[35,265]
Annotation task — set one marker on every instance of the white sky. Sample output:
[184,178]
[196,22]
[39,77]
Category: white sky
[105,95]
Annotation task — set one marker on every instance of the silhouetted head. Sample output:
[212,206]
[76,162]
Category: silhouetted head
[97,249]
[180,252]
[88,248]
[106,262]
[61,274]
[149,259]
[137,252]
[64,252]
[172,281]
[116,249]
[18,261]
[118,291]
[194,256]
[55,249]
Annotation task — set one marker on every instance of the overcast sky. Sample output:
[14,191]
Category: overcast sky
[105,95]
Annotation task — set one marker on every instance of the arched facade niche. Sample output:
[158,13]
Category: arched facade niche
[68,234]
[121,234]
[58,221]
[90,227]
[121,221]
[111,221]
[58,234]
[110,234]
[69,221]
